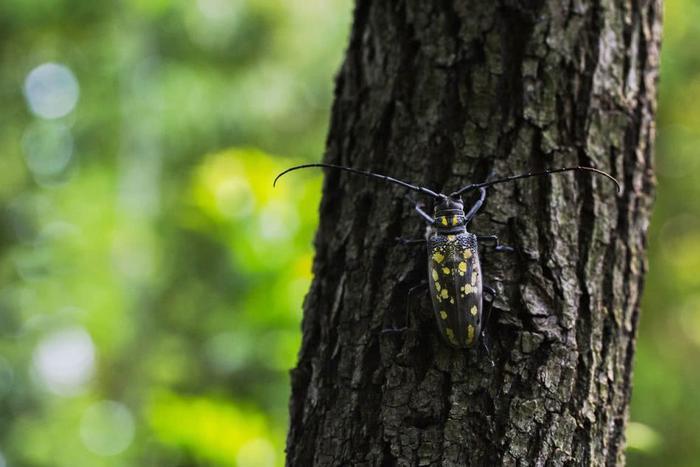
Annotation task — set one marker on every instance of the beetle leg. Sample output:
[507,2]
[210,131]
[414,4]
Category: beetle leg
[427,217]
[419,209]
[475,208]
[489,290]
[488,306]
[408,304]
[487,347]
[410,241]
[494,240]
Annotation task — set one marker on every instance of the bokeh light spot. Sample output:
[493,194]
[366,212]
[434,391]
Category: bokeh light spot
[234,197]
[277,221]
[65,361]
[133,255]
[107,428]
[215,9]
[228,351]
[642,437]
[48,147]
[51,90]
[257,452]
[212,23]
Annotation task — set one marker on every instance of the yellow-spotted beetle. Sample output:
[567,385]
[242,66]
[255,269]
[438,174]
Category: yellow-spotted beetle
[454,271]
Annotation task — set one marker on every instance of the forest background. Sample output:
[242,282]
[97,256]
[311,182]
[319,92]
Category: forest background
[151,279]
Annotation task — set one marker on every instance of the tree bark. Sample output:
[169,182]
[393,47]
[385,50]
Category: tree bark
[443,93]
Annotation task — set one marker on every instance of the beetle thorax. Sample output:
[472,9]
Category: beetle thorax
[449,216]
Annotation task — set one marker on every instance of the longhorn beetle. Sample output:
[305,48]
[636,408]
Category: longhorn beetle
[454,271]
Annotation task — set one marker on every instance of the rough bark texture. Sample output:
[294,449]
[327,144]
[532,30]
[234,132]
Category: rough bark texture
[442,93]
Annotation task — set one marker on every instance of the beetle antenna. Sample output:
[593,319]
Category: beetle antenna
[366,173]
[476,186]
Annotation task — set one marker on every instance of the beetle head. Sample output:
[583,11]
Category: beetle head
[449,213]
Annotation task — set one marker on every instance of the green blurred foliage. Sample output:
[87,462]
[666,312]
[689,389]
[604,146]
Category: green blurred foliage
[151,279]
[665,403]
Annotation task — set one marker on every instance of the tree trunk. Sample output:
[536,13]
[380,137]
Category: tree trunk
[442,93]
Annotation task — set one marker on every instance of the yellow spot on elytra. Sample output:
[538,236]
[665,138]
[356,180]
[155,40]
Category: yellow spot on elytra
[450,238]
[444,293]
[474,274]
[450,335]
[438,257]
[473,310]
[468,289]
[470,333]
[443,314]
[437,286]
[452,300]
[443,220]
[446,270]
[467,254]
[435,275]
[455,221]
[462,266]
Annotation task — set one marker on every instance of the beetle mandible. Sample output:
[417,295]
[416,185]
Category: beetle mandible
[454,271]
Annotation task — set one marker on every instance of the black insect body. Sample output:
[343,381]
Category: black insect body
[454,271]
[454,276]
